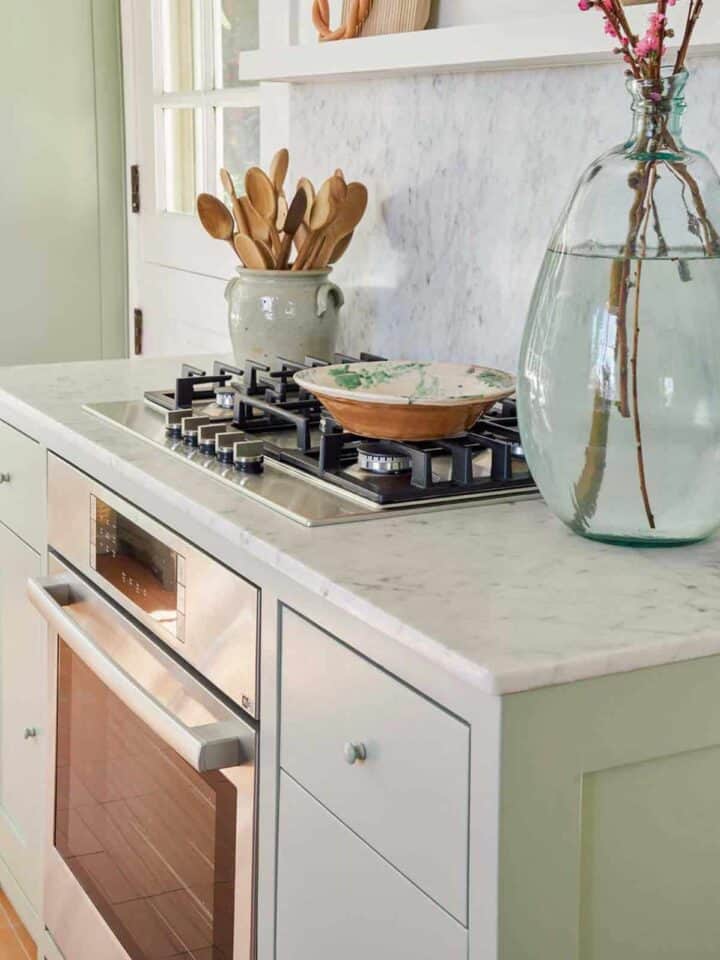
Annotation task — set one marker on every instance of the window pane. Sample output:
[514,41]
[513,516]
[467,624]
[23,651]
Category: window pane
[180,33]
[238,138]
[236,26]
[180,159]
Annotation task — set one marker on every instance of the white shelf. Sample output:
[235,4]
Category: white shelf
[572,38]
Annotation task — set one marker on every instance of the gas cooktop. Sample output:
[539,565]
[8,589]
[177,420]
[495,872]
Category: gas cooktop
[256,430]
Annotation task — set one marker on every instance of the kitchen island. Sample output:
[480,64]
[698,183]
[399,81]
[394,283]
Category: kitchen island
[540,712]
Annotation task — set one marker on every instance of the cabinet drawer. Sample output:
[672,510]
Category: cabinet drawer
[23,720]
[339,899]
[22,485]
[409,798]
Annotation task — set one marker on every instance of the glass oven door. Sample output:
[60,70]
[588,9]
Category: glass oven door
[154,808]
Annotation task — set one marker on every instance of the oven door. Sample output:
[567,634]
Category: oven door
[154,801]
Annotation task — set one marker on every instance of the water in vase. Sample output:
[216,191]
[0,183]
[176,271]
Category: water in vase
[621,417]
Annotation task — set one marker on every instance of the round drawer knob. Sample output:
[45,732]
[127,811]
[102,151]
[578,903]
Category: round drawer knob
[4,478]
[30,733]
[355,752]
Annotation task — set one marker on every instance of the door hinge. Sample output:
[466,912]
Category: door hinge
[135,188]
[138,329]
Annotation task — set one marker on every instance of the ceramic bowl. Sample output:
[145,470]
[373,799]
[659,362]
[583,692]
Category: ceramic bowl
[406,400]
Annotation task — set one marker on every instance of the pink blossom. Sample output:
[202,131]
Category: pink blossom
[585,4]
[610,29]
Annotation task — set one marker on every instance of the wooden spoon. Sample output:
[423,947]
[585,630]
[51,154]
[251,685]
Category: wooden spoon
[215,217]
[306,185]
[254,253]
[322,214]
[229,185]
[261,194]
[301,236]
[340,249]
[349,214]
[259,227]
[278,170]
[293,222]
[282,213]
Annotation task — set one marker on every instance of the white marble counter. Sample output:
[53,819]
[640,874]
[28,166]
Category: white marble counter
[503,595]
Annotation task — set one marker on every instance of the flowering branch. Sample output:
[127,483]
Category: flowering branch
[644,55]
[644,58]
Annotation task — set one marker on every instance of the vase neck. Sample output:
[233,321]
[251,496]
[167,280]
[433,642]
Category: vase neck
[658,108]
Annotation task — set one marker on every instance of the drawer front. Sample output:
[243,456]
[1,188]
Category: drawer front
[338,899]
[409,798]
[22,486]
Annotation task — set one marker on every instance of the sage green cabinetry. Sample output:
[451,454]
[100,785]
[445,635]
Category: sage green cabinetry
[610,823]
[23,686]
[63,275]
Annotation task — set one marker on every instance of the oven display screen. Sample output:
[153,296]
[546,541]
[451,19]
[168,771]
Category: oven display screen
[141,567]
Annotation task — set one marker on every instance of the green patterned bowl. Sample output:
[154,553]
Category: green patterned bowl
[406,400]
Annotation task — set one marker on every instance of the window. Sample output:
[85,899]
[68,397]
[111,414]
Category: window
[204,118]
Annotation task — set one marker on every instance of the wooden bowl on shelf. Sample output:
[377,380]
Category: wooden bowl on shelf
[406,400]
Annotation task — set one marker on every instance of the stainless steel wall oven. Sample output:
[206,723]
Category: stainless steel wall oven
[153,663]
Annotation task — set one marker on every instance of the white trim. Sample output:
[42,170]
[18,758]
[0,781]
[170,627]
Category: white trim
[229,97]
[131,157]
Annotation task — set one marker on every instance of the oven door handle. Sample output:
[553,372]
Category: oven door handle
[229,742]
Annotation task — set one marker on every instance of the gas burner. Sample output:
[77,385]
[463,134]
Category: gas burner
[383,459]
[225,397]
[193,386]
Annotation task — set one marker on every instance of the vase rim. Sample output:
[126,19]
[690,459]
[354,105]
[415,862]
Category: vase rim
[670,85]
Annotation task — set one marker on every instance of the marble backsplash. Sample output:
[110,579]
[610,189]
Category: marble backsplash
[467,175]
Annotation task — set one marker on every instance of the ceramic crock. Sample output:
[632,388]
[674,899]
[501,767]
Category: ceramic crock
[283,314]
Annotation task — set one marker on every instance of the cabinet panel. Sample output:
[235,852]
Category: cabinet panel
[409,798]
[338,899]
[23,727]
[650,850]
[22,484]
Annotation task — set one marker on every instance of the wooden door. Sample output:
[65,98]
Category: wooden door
[63,250]
[23,722]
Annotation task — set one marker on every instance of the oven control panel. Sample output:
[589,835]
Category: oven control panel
[190,601]
[138,565]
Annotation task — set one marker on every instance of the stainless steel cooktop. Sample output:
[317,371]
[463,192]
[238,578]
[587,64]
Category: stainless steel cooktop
[279,448]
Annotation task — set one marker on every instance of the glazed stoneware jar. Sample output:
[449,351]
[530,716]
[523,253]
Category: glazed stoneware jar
[283,314]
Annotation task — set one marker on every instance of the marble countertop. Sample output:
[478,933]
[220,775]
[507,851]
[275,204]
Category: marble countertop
[501,595]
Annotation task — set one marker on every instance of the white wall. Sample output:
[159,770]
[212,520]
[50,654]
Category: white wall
[467,175]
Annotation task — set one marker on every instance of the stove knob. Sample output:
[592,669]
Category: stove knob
[249,456]
[225,444]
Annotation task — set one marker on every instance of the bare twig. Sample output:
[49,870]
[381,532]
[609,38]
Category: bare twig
[636,407]
[694,11]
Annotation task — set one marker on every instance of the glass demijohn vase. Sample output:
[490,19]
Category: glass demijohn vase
[619,381]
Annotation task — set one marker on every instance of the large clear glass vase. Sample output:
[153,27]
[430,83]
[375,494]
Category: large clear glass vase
[619,380]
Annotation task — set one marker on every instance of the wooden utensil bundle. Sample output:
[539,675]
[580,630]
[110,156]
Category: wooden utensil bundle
[263,227]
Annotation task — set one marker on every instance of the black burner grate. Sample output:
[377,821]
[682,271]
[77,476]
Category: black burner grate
[268,402]
[337,451]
